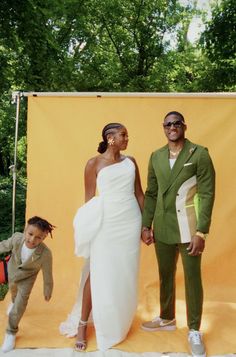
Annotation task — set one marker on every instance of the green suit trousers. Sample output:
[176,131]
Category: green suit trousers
[167,257]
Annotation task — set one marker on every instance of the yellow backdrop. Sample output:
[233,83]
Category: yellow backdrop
[63,133]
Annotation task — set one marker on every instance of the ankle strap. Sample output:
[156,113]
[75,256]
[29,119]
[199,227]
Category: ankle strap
[83,323]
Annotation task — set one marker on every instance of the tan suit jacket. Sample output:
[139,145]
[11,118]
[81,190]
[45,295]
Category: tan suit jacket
[40,259]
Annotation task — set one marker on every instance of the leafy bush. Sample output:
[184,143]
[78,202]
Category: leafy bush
[3,291]
[6,213]
[6,206]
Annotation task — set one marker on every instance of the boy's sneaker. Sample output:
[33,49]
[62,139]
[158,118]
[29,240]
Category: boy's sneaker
[196,344]
[9,342]
[159,324]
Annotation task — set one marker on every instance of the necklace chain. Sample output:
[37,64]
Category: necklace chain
[174,153]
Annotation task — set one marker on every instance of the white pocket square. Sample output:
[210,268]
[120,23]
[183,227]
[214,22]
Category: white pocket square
[188,163]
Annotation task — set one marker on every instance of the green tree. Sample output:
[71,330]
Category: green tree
[219,46]
[124,45]
[106,45]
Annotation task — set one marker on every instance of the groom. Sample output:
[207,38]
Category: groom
[179,201]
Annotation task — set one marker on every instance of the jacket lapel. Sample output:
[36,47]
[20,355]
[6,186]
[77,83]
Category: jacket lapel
[183,157]
[164,167]
[36,254]
[18,251]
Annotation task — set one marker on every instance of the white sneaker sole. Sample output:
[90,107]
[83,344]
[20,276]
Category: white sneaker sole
[161,328]
[204,355]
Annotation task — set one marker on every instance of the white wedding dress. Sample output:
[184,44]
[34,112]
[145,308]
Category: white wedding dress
[107,234]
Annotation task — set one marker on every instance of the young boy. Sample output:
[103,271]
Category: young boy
[28,256]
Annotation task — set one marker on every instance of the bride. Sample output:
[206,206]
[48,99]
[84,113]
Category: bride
[107,233]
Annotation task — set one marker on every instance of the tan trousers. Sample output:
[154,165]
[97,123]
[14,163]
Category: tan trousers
[20,293]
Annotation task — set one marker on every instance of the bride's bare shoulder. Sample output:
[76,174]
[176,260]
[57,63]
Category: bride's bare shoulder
[93,163]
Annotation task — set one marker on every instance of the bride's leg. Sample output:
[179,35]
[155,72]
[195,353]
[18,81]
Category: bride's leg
[87,301]
[81,342]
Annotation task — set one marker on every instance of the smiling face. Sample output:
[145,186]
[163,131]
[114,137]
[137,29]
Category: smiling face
[174,128]
[33,236]
[120,138]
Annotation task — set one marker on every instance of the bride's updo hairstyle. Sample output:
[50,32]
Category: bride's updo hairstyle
[108,129]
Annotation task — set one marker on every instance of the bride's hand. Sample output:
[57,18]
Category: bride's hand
[147,236]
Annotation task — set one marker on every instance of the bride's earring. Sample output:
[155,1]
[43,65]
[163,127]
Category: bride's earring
[111,141]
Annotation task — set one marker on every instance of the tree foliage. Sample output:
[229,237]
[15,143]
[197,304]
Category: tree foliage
[219,45]
[111,45]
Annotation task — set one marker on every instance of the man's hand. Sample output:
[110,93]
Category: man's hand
[196,246]
[147,236]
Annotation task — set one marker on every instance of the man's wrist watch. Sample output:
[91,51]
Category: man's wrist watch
[202,235]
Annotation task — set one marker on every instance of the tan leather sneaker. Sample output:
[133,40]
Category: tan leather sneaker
[159,324]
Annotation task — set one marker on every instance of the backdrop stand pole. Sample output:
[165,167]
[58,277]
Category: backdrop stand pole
[15,100]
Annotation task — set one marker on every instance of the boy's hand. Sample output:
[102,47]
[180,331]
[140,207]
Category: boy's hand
[47,298]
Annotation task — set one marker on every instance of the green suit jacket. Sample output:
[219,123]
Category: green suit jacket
[179,201]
